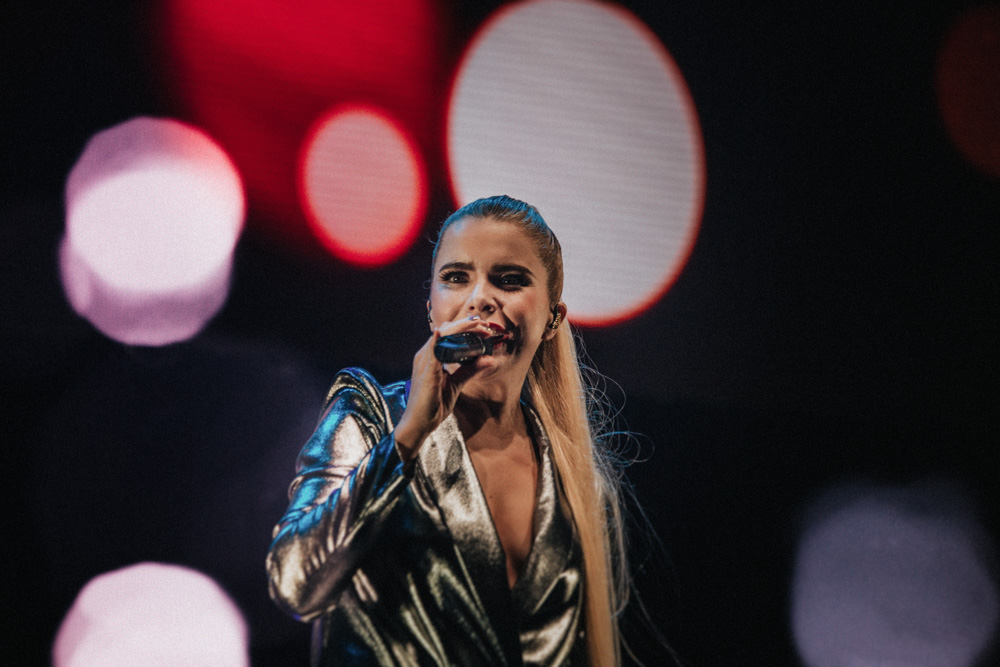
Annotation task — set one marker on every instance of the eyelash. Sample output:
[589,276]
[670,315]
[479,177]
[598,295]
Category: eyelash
[512,280]
[450,277]
[505,281]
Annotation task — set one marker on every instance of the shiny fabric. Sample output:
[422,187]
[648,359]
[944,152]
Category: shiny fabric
[402,565]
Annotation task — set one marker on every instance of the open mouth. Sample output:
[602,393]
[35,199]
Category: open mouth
[496,343]
[497,329]
[501,335]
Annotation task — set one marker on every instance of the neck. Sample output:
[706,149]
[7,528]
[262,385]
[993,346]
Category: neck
[490,420]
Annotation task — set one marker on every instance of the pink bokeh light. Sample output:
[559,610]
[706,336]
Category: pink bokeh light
[153,212]
[154,615]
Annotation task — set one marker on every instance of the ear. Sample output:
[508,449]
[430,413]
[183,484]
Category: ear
[557,320]
[430,322]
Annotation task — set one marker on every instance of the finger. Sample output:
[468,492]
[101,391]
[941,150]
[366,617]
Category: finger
[468,324]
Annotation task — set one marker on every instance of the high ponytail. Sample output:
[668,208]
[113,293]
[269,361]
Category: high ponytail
[555,386]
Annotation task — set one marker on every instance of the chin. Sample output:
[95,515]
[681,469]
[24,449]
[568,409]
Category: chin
[489,367]
[488,362]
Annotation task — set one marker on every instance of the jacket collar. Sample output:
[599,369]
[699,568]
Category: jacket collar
[445,462]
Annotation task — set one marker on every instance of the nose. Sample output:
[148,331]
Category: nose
[482,300]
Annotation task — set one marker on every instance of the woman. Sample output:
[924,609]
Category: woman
[464,517]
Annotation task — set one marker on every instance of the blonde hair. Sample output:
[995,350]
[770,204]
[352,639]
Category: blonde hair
[555,386]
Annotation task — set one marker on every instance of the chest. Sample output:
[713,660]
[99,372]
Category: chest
[509,484]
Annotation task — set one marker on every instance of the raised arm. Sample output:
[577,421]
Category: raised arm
[352,472]
[350,476]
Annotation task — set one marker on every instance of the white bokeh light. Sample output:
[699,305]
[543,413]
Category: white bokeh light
[577,108]
[892,577]
[153,615]
[153,212]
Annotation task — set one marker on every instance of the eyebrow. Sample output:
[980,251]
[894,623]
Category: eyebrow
[498,268]
[463,266]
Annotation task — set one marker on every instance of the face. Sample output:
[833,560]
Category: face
[491,269]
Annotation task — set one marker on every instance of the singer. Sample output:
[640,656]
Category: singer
[465,517]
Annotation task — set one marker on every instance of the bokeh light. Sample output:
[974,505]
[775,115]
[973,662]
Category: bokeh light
[893,577]
[152,614]
[968,86]
[153,212]
[576,107]
[260,75]
[181,455]
[363,185]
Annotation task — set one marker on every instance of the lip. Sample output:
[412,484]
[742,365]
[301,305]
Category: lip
[498,329]
[500,334]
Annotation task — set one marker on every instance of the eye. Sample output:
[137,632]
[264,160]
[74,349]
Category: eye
[512,280]
[455,277]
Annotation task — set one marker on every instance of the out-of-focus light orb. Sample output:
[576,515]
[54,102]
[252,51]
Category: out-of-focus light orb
[153,212]
[259,74]
[892,577]
[968,86]
[153,615]
[577,108]
[363,185]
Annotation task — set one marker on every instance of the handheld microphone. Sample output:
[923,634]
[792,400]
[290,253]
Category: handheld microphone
[462,348]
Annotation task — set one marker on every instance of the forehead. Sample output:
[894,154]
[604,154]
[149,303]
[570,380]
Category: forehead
[485,241]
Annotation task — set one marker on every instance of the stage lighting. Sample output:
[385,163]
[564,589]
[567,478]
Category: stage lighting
[579,109]
[893,576]
[363,185]
[153,212]
[153,615]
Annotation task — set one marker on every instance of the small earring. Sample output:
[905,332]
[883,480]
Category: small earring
[429,320]
[556,321]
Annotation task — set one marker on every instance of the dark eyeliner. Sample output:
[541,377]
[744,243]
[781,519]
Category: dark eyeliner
[513,280]
[446,276]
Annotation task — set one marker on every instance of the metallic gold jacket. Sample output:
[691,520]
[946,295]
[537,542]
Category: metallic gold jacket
[402,565]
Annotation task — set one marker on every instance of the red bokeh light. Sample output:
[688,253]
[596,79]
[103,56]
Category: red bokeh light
[259,74]
[968,87]
[362,185]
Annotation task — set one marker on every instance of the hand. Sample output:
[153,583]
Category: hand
[433,389]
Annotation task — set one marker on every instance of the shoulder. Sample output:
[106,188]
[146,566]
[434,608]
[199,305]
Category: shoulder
[352,380]
[356,390]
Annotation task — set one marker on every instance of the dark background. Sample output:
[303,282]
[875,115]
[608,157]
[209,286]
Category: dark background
[836,322]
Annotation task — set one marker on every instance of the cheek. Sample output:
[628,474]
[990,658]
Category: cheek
[535,317]
[443,305]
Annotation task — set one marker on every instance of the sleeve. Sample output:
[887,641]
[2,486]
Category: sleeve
[349,477]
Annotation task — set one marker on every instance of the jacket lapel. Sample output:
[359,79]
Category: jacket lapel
[445,462]
[552,547]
